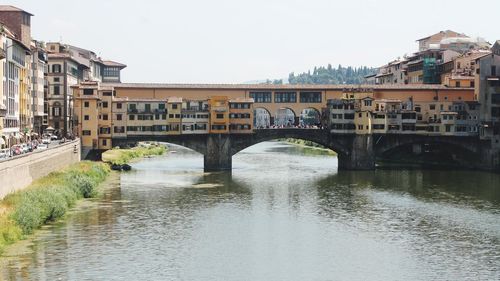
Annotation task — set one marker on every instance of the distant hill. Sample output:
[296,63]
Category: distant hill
[330,75]
[323,75]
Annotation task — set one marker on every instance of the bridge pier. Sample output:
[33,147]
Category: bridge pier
[360,155]
[218,155]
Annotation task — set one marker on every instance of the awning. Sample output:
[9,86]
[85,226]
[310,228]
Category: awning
[49,129]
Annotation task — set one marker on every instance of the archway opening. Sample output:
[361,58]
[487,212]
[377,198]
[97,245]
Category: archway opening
[262,118]
[310,118]
[285,118]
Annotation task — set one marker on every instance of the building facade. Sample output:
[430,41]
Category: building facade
[488,94]
[107,111]
[67,66]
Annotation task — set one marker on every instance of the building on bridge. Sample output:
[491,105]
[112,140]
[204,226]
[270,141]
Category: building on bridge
[457,118]
[107,111]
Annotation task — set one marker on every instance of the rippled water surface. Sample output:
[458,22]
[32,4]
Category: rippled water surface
[284,213]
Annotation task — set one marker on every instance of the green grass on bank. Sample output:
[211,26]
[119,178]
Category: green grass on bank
[123,156]
[310,144]
[48,199]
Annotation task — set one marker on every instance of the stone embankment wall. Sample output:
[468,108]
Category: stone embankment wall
[18,173]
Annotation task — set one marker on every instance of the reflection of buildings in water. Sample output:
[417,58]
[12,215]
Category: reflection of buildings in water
[284,117]
[262,118]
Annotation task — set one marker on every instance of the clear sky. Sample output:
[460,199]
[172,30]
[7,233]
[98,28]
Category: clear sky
[233,41]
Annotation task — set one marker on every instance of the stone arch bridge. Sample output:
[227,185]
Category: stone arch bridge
[355,152]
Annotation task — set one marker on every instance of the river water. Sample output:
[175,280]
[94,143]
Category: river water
[284,213]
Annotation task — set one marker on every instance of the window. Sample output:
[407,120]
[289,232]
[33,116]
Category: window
[118,117]
[131,117]
[495,98]
[147,107]
[219,127]
[88,92]
[493,70]
[86,132]
[56,68]
[56,79]
[86,104]
[220,116]
[285,97]
[132,106]
[104,142]
[104,130]
[57,90]
[368,102]
[432,106]
[495,112]
[378,126]
[472,84]
[261,97]
[161,106]
[107,94]
[104,117]
[86,117]
[174,106]
[418,109]
[310,97]
[119,106]
[56,111]
[105,104]
[457,84]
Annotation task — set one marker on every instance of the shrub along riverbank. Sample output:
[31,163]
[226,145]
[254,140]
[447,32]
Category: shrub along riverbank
[48,199]
[117,156]
[308,144]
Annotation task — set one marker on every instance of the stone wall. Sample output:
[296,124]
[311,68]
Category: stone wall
[18,173]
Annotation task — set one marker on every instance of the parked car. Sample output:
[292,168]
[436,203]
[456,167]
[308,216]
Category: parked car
[25,148]
[46,140]
[53,137]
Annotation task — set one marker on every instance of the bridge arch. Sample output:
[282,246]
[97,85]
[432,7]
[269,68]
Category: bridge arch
[464,151]
[322,137]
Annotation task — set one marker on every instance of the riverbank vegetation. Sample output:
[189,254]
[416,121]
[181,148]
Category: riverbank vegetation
[309,144]
[48,199]
[117,156]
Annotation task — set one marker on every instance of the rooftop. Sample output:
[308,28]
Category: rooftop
[276,87]
[10,8]
[113,63]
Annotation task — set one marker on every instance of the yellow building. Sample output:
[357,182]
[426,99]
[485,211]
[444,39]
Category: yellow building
[219,114]
[87,110]
[241,116]
[25,101]
[174,113]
